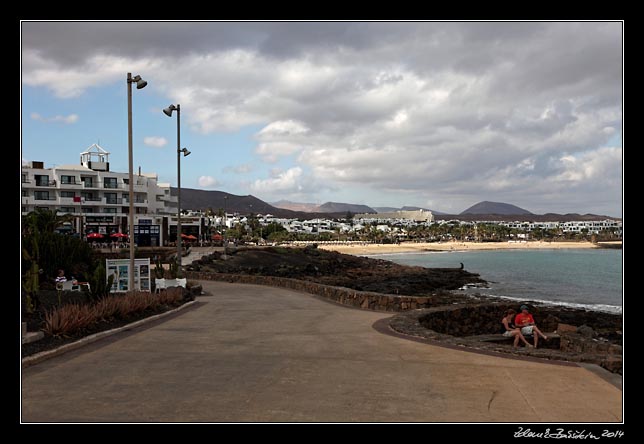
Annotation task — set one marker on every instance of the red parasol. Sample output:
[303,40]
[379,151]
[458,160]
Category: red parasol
[119,235]
[95,236]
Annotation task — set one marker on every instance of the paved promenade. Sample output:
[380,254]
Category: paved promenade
[247,353]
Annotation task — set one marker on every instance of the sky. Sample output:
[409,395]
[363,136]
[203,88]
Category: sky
[439,115]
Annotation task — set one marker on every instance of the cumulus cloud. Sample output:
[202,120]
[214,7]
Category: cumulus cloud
[72,118]
[451,113]
[287,181]
[208,182]
[155,141]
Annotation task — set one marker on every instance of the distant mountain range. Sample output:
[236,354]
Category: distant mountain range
[295,206]
[405,208]
[337,207]
[487,207]
[328,207]
[193,199]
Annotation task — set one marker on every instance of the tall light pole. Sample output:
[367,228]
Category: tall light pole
[225,224]
[168,112]
[140,84]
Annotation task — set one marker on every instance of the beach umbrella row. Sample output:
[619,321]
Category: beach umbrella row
[100,236]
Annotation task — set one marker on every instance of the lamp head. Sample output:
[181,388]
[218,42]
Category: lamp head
[168,111]
[185,152]
[140,83]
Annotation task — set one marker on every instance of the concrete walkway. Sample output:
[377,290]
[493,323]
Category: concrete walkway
[247,353]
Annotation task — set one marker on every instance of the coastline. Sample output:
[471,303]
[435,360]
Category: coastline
[413,247]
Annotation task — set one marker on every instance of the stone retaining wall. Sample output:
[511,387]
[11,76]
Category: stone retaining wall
[460,325]
[341,295]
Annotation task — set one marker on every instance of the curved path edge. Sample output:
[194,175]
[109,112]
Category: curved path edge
[42,356]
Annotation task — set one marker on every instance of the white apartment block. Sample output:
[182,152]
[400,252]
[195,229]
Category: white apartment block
[403,217]
[99,197]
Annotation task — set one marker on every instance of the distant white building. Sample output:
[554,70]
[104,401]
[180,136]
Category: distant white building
[401,216]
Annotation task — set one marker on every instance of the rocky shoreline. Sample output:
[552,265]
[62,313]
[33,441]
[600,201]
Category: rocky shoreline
[337,269]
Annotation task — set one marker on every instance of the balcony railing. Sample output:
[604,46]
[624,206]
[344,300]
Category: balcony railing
[45,183]
[44,198]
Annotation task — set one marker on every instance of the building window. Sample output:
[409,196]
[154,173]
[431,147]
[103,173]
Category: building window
[25,178]
[68,180]
[109,182]
[41,195]
[67,194]
[67,209]
[110,198]
[41,180]
[109,210]
[25,193]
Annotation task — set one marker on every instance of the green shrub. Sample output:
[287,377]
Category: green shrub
[159,272]
[174,269]
[100,287]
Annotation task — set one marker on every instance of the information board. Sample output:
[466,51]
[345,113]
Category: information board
[120,269]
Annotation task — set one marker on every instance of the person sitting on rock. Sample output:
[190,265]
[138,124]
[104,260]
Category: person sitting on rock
[525,322]
[510,330]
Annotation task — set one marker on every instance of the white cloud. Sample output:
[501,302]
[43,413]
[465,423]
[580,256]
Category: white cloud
[72,81]
[448,112]
[70,119]
[287,181]
[208,182]
[155,141]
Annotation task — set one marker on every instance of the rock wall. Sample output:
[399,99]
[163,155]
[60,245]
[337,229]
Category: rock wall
[485,318]
[346,296]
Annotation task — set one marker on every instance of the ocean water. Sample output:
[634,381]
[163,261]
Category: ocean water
[585,278]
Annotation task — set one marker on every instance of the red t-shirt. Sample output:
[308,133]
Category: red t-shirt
[522,319]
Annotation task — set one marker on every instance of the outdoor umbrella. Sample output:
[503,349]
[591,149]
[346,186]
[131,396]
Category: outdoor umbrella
[119,235]
[95,236]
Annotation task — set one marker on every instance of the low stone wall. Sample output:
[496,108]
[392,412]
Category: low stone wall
[485,318]
[594,341]
[346,296]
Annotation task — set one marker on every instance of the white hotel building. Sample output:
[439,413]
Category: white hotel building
[100,197]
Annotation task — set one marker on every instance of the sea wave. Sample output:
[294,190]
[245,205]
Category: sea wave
[605,308]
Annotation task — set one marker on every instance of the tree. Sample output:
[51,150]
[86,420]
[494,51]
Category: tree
[44,221]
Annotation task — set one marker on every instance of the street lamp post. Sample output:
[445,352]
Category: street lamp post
[168,112]
[140,84]
[225,224]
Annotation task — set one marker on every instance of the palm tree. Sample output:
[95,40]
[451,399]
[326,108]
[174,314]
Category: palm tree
[45,221]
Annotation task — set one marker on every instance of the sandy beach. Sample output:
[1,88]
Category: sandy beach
[410,247]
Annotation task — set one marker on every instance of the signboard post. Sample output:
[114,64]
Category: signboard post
[120,269]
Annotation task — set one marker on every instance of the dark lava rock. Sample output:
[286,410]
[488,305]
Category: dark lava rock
[342,270]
